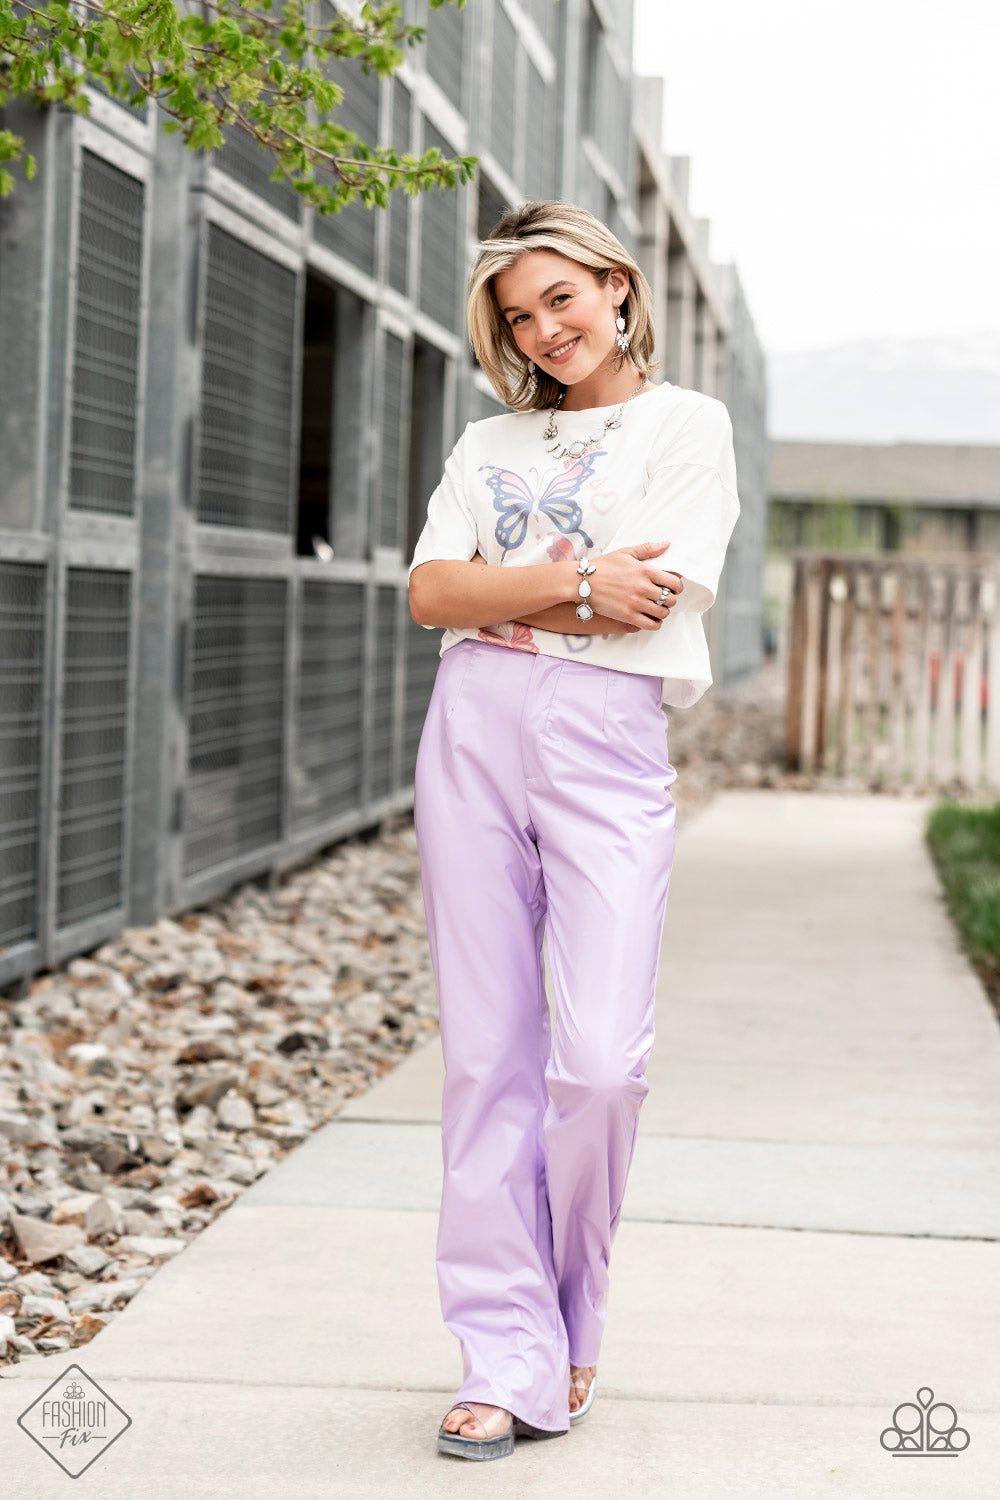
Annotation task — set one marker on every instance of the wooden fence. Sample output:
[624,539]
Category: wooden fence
[894,669]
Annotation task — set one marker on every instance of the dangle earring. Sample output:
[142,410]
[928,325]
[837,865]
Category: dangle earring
[532,378]
[621,338]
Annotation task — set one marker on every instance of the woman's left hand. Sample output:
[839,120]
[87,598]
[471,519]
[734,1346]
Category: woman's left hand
[612,627]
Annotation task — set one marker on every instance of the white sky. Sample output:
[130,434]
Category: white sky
[847,154]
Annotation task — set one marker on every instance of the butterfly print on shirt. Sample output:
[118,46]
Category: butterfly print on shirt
[515,500]
[511,633]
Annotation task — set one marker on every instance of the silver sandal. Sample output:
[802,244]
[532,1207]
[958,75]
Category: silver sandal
[496,1446]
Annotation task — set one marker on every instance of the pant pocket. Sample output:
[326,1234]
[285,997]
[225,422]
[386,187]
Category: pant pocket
[635,725]
[456,672]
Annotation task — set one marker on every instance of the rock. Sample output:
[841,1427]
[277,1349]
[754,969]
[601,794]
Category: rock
[87,1258]
[68,1281]
[103,1295]
[155,1149]
[53,1341]
[235,1112]
[207,1090]
[103,1217]
[85,1053]
[35,1281]
[73,1210]
[20,1130]
[45,1307]
[39,1241]
[198,1126]
[151,1245]
[365,1012]
[302,1038]
[134,1221]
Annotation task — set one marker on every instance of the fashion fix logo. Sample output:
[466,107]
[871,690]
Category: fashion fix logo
[74,1421]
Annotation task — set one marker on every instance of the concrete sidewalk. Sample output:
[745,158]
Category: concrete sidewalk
[809,1236]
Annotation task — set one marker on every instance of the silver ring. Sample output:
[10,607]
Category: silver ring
[665,594]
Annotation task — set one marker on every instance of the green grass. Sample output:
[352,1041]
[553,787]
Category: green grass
[965,844]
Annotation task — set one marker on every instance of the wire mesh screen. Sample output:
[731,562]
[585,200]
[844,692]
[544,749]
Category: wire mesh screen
[94,744]
[541,164]
[106,339]
[328,703]
[399,204]
[351,232]
[445,48]
[393,439]
[22,646]
[546,17]
[503,114]
[439,278]
[483,405]
[251,165]
[422,648]
[383,684]
[236,684]
[491,206]
[245,452]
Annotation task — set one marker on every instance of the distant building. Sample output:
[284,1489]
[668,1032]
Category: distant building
[221,417]
[909,497]
[917,498]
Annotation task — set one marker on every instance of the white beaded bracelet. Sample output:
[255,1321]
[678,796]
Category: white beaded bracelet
[584,611]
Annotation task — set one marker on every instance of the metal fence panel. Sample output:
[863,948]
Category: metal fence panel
[541,162]
[106,339]
[245,448]
[251,164]
[329,703]
[235,712]
[445,51]
[394,424]
[383,692]
[422,654]
[400,204]
[351,232]
[439,267]
[22,650]
[546,16]
[94,746]
[503,112]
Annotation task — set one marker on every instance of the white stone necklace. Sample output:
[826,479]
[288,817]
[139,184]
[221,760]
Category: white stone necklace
[578,449]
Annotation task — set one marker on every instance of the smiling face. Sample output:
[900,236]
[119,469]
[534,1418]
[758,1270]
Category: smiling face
[559,314]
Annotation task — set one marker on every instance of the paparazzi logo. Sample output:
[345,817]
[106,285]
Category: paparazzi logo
[925,1429]
[74,1421]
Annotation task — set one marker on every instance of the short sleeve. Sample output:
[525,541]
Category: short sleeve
[449,533]
[691,501]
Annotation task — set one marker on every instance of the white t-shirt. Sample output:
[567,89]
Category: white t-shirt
[668,473]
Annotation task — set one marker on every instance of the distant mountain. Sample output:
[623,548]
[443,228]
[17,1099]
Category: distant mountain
[932,390]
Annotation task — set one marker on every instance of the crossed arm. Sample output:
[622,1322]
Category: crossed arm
[563,619]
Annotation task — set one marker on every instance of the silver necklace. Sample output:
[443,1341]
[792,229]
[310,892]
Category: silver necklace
[578,449]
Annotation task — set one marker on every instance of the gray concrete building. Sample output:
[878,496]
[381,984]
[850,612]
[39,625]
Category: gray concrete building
[707,343]
[221,417]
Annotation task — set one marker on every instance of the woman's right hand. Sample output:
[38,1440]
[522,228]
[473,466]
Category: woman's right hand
[624,586]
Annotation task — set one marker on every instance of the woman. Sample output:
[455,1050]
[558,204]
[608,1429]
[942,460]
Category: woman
[569,552]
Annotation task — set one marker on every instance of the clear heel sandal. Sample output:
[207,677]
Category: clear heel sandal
[499,1440]
[581,1411]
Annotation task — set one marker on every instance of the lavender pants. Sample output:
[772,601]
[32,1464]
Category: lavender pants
[542,803]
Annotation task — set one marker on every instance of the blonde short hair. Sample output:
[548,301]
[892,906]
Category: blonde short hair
[577,234]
